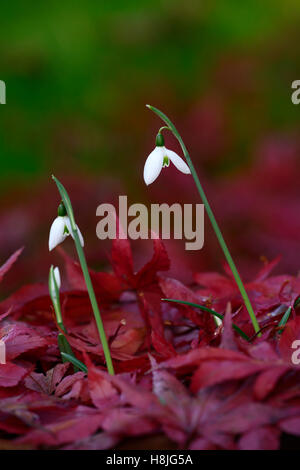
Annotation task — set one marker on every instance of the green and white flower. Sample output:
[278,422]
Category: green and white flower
[61,229]
[159,158]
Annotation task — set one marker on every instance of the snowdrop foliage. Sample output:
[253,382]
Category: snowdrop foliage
[61,229]
[159,158]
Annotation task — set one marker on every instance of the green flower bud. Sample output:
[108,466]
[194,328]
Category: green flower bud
[159,141]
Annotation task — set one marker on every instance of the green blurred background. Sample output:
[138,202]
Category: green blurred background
[79,73]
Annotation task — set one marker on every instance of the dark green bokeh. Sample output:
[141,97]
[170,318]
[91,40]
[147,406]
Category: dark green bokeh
[78,75]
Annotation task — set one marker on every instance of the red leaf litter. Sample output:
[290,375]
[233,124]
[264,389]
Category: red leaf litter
[180,380]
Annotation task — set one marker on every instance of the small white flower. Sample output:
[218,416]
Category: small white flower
[159,158]
[61,229]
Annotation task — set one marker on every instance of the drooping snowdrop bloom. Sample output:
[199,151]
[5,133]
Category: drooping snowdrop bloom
[56,275]
[61,229]
[159,158]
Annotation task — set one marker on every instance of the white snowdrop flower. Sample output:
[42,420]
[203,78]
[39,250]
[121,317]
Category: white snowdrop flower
[159,158]
[61,229]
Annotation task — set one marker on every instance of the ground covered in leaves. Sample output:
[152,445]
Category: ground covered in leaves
[180,380]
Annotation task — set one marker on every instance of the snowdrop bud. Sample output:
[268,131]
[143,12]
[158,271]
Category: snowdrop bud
[218,321]
[55,275]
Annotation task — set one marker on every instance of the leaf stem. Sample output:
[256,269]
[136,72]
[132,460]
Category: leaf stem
[284,319]
[211,217]
[86,275]
[76,362]
[213,312]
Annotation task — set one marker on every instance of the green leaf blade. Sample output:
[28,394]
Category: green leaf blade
[206,309]
[76,362]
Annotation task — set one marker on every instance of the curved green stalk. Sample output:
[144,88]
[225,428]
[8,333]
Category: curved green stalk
[213,312]
[284,319]
[86,275]
[211,217]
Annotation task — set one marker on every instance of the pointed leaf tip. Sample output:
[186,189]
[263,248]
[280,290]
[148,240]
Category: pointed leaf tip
[76,362]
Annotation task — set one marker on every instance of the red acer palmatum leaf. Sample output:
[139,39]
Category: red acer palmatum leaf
[48,383]
[122,263]
[163,347]
[11,374]
[124,329]
[128,422]
[20,338]
[267,380]
[214,372]
[102,392]
[107,286]
[174,289]
[266,270]
[159,262]
[264,438]
[26,299]
[100,441]
[263,290]
[205,389]
[8,264]
[291,425]
[64,427]
[122,260]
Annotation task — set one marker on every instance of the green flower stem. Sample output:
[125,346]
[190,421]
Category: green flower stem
[211,217]
[86,275]
[94,303]
[63,343]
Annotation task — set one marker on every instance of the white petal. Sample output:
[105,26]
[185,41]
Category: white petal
[153,165]
[178,162]
[69,227]
[57,277]
[80,236]
[57,234]
[218,321]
